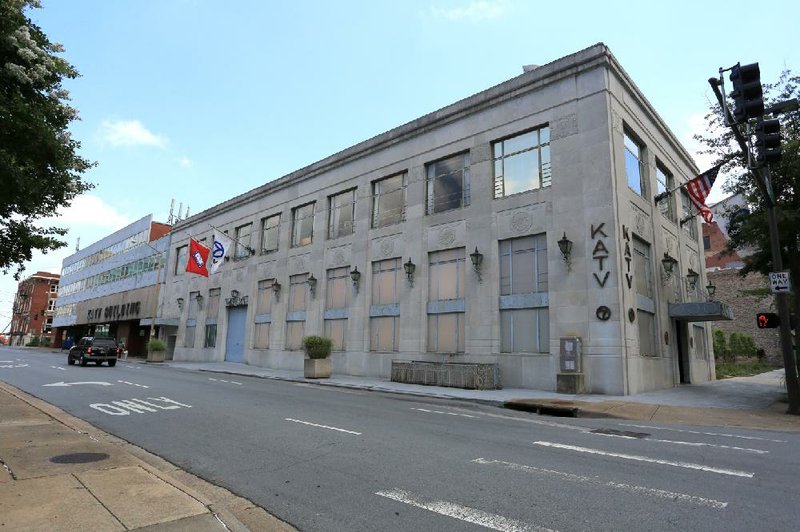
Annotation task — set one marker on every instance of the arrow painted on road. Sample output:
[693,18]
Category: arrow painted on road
[62,383]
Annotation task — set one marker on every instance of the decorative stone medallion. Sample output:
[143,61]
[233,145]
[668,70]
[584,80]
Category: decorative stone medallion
[447,236]
[338,258]
[387,247]
[299,264]
[521,221]
[640,224]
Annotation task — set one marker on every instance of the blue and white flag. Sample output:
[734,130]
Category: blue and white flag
[222,244]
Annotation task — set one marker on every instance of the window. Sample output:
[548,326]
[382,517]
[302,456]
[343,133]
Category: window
[54,288]
[385,326]
[269,233]
[242,242]
[263,314]
[647,333]
[524,312]
[522,162]
[194,305]
[689,221]
[448,183]
[295,326]
[189,339]
[302,225]
[211,335]
[212,310]
[341,214]
[446,274]
[446,284]
[337,298]
[665,182]
[294,335]
[298,287]
[51,304]
[634,167]
[706,243]
[389,200]
[642,267]
[699,333]
[181,256]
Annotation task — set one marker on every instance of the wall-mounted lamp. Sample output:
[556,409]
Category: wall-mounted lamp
[355,275]
[668,263]
[312,284]
[477,260]
[692,277]
[180,303]
[234,294]
[711,289]
[199,300]
[565,247]
[276,288]
[409,267]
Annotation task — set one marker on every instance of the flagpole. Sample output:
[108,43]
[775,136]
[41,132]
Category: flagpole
[662,196]
[247,247]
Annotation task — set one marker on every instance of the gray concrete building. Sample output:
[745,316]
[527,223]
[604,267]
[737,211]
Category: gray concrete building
[501,229]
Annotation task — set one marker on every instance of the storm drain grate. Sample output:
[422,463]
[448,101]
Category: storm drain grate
[78,458]
[625,433]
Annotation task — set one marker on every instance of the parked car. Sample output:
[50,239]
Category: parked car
[94,349]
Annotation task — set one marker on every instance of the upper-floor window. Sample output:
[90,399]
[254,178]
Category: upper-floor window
[706,243]
[386,281]
[642,267]
[212,307]
[54,288]
[522,162]
[303,224]
[448,183]
[298,290]
[264,297]
[689,220]
[269,233]
[194,305]
[337,294]
[243,241]
[523,265]
[341,213]
[51,304]
[389,200]
[446,274]
[634,165]
[665,182]
[181,256]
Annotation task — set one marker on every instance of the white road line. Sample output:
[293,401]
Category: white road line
[637,490]
[462,513]
[223,380]
[442,412]
[680,442]
[703,433]
[59,368]
[687,465]
[134,384]
[322,426]
[552,424]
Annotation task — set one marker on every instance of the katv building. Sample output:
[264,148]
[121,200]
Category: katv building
[110,288]
[515,229]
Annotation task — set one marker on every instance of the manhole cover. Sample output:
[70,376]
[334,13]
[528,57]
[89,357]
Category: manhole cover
[78,458]
[625,433]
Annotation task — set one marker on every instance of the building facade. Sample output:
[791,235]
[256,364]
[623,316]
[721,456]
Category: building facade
[34,305]
[111,286]
[498,229]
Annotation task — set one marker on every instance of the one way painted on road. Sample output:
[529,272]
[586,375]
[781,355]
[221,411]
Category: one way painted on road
[62,383]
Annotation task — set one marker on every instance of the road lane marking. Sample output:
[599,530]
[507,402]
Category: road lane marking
[322,426]
[66,384]
[14,366]
[59,368]
[138,406]
[462,513]
[680,442]
[703,433]
[134,384]
[552,424]
[223,380]
[686,465]
[442,412]
[630,488]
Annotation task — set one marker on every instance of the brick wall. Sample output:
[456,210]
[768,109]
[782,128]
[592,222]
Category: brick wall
[731,289]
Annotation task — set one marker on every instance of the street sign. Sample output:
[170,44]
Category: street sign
[779,282]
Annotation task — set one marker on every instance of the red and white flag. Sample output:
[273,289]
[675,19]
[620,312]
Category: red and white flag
[198,258]
[699,188]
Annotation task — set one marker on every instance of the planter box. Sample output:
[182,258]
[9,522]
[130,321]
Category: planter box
[317,368]
[472,376]
[155,356]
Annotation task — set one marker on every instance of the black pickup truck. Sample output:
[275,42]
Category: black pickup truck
[94,349]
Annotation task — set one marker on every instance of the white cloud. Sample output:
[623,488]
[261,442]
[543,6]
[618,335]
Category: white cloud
[184,162]
[90,210]
[473,12]
[129,133]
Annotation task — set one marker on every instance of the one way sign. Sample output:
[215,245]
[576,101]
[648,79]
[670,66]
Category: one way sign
[779,282]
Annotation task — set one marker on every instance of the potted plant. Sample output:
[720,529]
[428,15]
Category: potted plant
[318,363]
[155,350]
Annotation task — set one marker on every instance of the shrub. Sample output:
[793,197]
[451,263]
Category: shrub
[317,346]
[155,345]
[721,345]
[742,345]
[34,342]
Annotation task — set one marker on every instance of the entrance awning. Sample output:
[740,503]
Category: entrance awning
[704,311]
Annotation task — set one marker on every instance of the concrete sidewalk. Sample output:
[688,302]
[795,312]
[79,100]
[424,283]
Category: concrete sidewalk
[58,472]
[752,402]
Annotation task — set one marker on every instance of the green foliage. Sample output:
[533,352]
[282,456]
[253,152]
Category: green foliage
[40,170]
[721,350]
[742,345]
[729,369]
[34,342]
[156,346]
[317,346]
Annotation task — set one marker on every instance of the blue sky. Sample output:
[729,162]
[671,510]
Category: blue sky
[200,100]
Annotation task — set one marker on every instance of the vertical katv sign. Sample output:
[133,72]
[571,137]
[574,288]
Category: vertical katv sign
[599,255]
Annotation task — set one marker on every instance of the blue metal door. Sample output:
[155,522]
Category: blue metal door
[234,344]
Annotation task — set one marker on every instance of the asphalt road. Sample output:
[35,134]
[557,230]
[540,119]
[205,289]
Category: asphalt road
[330,459]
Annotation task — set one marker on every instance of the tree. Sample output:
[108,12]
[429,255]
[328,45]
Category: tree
[749,229]
[40,169]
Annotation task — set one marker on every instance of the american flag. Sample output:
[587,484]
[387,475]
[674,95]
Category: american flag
[699,188]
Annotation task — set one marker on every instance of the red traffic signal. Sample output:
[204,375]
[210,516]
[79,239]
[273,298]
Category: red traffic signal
[747,92]
[767,320]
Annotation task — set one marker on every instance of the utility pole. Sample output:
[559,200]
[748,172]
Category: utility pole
[748,96]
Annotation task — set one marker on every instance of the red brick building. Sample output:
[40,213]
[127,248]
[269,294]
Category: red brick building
[34,303]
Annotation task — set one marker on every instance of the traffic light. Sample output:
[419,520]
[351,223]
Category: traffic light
[748,96]
[767,320]
[768,141]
